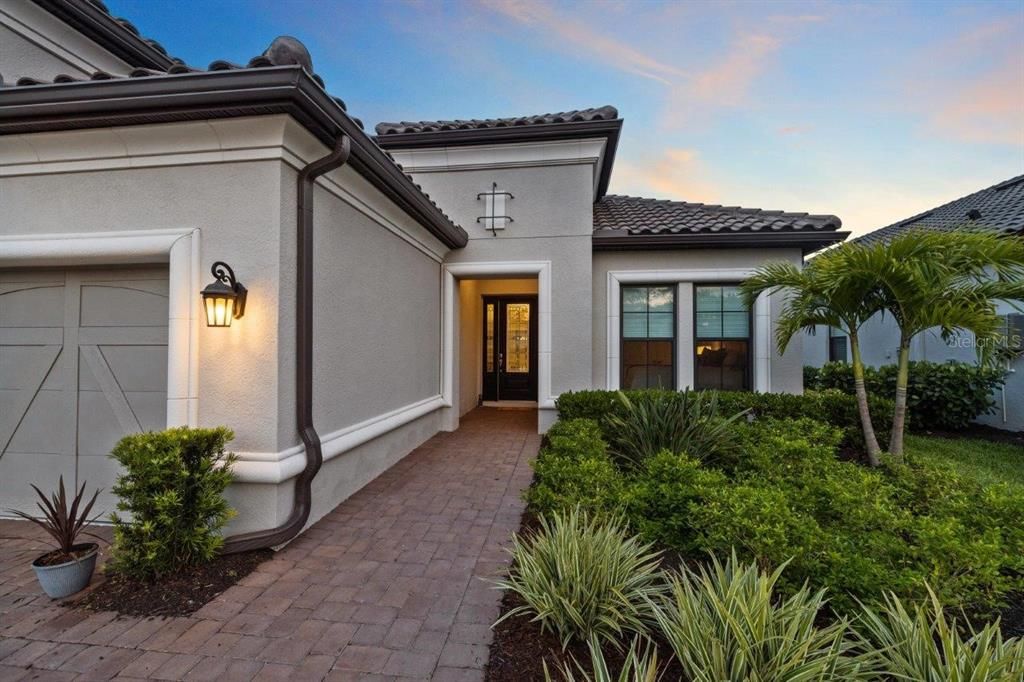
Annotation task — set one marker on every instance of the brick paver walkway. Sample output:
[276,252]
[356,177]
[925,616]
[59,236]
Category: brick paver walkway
[390,585]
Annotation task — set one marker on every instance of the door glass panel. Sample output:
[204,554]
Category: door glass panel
[490,337]
[517,337]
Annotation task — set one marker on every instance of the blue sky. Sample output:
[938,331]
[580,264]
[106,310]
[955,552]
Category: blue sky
[871,111]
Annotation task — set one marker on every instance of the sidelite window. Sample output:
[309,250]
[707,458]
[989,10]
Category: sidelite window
[648,336]
[722,340]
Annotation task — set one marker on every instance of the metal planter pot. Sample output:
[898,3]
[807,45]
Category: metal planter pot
[63,580]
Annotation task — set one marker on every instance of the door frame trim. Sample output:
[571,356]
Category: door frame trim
[451,272]
[179,248]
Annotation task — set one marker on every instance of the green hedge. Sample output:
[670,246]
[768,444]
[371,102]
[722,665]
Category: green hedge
[855,530]
[171,495]
[940,395]
[832,407]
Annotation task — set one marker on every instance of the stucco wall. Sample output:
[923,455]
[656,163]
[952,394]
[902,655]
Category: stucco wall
[236,207]
[785,370]
[34,43]
[552,222]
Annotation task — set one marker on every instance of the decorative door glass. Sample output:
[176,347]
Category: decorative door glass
[517,337]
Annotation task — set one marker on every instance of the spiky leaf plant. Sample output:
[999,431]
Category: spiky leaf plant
[726,624]
[584,578]
[920,643]
[641,665]
[62,523]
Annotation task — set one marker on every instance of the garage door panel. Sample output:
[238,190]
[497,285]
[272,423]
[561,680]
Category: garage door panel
[99,472]
[29,367]
[70,391]
[31,306]
[45,428]
[135,368]
[18,469]
[125,304]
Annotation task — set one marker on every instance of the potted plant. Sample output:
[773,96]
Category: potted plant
[67,569]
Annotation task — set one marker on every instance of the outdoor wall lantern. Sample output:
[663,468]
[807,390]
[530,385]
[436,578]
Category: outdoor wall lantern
[223,298]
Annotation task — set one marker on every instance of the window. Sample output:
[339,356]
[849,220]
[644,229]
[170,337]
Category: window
[722,339]
[648,337]
[838,344]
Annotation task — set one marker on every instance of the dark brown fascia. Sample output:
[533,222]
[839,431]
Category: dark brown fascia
[220,94]
[103,29]
[808,242]
[543,132]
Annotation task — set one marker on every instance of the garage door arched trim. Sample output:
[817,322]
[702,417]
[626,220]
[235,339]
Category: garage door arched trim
[179,249]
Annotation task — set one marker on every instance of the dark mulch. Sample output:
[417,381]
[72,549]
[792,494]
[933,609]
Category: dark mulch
[1012,617]
[180,594]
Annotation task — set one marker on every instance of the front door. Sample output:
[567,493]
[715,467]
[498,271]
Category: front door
[510,348]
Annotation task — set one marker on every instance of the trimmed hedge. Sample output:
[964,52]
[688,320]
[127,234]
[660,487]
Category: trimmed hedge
[940,395]
[787,497]
[832,407]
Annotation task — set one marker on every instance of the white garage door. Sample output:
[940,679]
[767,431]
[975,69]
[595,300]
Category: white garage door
[83,361]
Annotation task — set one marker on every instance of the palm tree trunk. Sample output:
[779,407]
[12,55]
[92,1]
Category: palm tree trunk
[862,402]
[899,417]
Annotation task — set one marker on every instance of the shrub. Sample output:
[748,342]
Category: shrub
[583,578]
[574,470]
[172,494]
[921,644]
[725,623]
[940,395]
[834,407]
[684,422]
[660,499]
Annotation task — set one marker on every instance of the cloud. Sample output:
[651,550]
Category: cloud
[795,130]
[970,88]
[678,174]
[570,29]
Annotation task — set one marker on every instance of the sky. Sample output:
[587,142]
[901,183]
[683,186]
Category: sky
[872,111]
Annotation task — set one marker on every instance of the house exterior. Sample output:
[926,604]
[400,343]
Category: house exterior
[999,208]
[396,277]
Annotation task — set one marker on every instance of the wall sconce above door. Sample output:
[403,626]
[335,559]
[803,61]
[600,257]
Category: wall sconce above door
[496,215]
[224,298]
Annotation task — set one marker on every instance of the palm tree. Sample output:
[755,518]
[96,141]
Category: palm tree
[827,291]
[945,280]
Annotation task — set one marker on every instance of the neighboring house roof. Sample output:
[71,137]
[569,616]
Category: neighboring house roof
[999,208]
[567,125]
[281,80]
[118,36]
[626,223]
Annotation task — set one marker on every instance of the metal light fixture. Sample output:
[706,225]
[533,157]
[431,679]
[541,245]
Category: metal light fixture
[224,298]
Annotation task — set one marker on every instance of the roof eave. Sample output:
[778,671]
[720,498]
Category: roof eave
[219,94]
[542,132]
[104,30]
[807,242]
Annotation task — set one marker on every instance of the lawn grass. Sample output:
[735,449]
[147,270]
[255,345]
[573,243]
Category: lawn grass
[982,460]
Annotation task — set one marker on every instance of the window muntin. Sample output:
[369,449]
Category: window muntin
[721,338]
[648,336]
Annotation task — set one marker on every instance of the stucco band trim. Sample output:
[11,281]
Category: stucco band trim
[179,249]
[761,331]
[454,271]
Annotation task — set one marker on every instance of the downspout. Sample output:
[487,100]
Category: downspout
[302,502]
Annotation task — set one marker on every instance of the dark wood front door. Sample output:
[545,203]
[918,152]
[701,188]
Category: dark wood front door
[510,347]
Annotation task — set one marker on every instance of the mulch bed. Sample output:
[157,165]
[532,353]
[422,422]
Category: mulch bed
[981,432]
[180,594]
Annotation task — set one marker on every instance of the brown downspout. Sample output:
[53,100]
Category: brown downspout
[303,361]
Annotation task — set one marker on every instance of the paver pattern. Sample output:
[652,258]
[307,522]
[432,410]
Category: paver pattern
[390,585]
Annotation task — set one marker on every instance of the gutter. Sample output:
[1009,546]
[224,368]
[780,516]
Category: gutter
[808,242]
[230,93]
[303,499]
